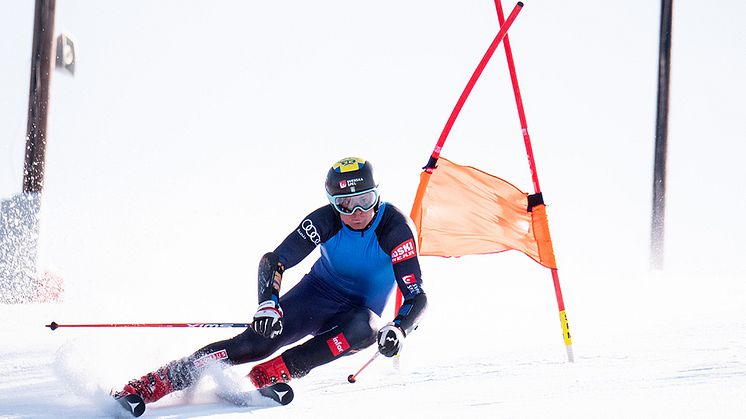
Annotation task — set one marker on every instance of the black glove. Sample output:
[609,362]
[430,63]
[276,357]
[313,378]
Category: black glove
[268,319]
[390,340]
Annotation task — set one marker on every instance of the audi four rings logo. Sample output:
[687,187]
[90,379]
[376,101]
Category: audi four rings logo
[310,229]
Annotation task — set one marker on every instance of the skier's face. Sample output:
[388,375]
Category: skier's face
[359,219]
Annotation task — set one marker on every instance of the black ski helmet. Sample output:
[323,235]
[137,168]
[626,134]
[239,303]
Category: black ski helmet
[350,175]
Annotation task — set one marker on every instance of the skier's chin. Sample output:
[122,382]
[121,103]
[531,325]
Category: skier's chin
[358,220]
[356,225]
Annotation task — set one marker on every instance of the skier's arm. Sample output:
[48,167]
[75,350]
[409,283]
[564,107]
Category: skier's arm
[316,228]
[268,318]
[399,241]
[409,280]
[312,231]
[391,336]
[270,277]
[411,312]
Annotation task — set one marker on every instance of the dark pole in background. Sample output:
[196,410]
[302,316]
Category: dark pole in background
[661,138]
[41,67]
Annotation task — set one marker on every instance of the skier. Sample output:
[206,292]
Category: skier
[366,247]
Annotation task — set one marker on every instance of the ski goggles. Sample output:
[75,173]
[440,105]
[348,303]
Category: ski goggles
[349,203]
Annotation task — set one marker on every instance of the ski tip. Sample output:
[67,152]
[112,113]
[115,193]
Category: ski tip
[133,403]
[281,393]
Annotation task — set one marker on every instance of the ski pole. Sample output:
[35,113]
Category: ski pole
[352,377]
[55,325]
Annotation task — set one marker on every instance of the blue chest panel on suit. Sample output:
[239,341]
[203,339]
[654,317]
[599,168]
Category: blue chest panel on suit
[354,264]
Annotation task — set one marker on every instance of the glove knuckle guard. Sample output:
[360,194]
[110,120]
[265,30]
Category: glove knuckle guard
[268,320]
[390,339]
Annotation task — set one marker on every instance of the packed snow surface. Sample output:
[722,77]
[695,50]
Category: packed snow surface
[650,346]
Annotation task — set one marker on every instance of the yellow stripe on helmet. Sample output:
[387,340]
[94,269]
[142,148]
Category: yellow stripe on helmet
[348,164]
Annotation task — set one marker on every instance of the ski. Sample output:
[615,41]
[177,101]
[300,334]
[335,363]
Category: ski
[279,394]
[132,403]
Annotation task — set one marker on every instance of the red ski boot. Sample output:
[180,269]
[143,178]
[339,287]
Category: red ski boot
[270,372]
[150,387]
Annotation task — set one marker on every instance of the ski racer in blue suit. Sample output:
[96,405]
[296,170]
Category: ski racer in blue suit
[367,247]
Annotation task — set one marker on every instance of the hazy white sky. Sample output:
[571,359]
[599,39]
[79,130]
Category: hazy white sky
[195,134]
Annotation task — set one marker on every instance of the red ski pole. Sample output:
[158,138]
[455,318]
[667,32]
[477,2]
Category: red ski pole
[54,325]
[353,377]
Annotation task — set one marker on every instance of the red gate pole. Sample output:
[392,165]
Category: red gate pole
[501,34]
[430,166]
[535,177]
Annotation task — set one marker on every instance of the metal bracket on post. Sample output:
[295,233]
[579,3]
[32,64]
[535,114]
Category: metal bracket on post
[65,53]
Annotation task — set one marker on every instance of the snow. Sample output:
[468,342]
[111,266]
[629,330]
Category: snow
[193,138]
[651,346]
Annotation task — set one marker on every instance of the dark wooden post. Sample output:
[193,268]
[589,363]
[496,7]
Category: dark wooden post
[42,56]
[661,138]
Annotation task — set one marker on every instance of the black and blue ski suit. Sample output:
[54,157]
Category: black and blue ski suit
[339,301]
